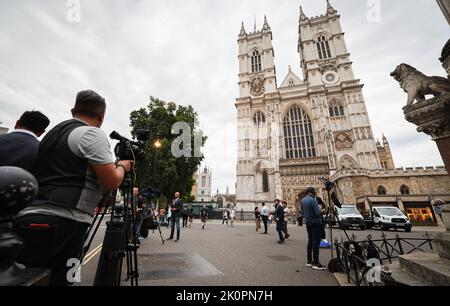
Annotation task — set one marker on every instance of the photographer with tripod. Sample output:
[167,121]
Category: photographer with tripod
[74,163]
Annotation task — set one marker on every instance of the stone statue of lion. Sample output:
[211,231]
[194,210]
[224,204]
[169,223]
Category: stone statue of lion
[417,85]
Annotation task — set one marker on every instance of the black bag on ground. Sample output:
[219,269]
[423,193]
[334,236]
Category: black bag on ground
[335,266]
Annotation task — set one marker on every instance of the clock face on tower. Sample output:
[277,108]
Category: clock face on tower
[330,77]
[257,87]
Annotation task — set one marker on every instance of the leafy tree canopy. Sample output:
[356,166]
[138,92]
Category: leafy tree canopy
[160,169]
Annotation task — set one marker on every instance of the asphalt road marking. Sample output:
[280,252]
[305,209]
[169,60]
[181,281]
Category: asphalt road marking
[92,254]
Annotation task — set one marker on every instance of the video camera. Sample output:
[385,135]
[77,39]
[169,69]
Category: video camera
[150,193]
[128,149]
[328,184]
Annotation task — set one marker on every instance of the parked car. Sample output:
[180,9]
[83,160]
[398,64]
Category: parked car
[390,217]
[349,216]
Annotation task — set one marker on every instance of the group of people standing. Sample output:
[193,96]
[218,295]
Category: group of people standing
[310,211]
[229,215]
[266,216]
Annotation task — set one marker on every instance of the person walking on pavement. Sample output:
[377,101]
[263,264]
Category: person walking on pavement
[204,216]
[191,217]
[185,215]
[258,219]
[265,216]
[225,217]
[232,216]
[311,212]
[286,212]
[177,207]
[279,219]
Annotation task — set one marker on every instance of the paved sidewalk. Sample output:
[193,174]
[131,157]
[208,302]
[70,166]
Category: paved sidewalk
[235,256]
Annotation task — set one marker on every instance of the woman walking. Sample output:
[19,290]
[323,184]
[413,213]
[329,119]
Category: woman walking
[225,218]
[204,216]
[191,217]
[232,216]
[258,219]
[285,227]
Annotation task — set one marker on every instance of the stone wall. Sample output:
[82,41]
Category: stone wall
[355,184]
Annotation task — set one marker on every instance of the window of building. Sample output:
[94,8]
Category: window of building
[291,82]
[298,134]
[404,190]
[336,109]
[323,47]
[256,61]
[265,181]
[259,119]
[203,181]
[382,190]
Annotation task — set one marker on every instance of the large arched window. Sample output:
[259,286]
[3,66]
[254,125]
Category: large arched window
[381,190]
[323,47]
[259,119]
[265,180]
[404,190]
[336,109]
[298,134]
[256,61]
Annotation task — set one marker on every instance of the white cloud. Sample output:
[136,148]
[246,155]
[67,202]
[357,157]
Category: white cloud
[186,51]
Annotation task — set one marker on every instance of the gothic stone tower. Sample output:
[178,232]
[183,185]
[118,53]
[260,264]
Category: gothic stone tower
[290,136]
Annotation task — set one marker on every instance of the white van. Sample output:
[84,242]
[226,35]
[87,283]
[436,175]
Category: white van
[349,216]
[390,217]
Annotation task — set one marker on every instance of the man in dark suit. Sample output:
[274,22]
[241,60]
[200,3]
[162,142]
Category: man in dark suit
[279,218]
[20,147]
[176,209]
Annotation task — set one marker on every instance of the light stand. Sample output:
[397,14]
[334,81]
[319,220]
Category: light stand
[331,211]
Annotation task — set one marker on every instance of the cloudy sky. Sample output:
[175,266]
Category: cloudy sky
[186,52]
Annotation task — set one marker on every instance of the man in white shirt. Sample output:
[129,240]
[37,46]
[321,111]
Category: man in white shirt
[265,216]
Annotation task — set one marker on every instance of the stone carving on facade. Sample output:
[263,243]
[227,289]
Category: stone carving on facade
[435,129]
[328,66]
[343,141]
[257,87]
[271,111]
[445,58]
[432,116]
[417,85]
[347,163]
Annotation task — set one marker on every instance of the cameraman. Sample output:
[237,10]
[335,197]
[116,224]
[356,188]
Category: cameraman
[74,163]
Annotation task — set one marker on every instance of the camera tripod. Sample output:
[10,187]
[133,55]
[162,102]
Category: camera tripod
[331,211]
[150,211]
[120,238]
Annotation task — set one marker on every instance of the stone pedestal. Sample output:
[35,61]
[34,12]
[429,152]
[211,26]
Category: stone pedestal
[433,118]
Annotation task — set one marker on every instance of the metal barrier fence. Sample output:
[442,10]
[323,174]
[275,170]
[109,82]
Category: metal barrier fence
[353,256]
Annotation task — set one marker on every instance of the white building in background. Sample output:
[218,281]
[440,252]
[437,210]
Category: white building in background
[3,130]
[307,127]
[203,183]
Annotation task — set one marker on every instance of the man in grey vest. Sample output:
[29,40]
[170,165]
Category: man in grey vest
[75,162]
[20,147]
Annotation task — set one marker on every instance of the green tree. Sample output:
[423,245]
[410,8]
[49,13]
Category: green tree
[160,169]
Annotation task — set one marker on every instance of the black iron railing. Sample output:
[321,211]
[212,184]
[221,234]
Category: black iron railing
[353,256]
